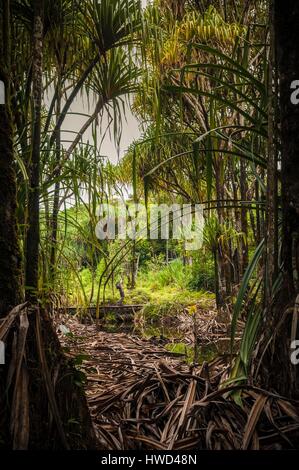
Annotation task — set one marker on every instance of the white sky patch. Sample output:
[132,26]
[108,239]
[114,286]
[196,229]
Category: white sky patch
[78,114]
[74,122]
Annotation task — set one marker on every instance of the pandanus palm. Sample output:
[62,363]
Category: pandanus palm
[112,81]
[77,38]
[201,73]
[105,25]
[213,74]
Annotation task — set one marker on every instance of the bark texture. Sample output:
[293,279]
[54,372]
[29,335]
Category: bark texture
[281,374]
[10,276]
[32,246]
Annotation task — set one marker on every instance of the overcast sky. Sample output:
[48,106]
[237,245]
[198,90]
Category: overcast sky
[108,148]
[131,130]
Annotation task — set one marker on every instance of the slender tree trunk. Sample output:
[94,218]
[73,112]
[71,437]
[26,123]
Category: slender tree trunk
[258,215]
[236,255]
[86,126]
[271,261]
[32,242]
[72,97]
[220,266]
[54,221]
[244,222]
[218,290]
[10,277]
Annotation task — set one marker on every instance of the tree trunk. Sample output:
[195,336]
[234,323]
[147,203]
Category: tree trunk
[42,403]
[57,172]
[10,277]
[271,253]
[221,264]
[281,374]
[236,255]
[32,242]
[219,291]
[244,222]
[258,215]
[10,280]
[286,23]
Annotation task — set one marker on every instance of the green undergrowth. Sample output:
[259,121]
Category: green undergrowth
[167,291]
[164,290]
[170,303]
[192,355]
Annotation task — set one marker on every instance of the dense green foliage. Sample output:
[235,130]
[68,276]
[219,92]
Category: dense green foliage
[200,79]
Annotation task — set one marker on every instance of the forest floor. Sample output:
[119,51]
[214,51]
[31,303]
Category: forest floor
[143,396]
